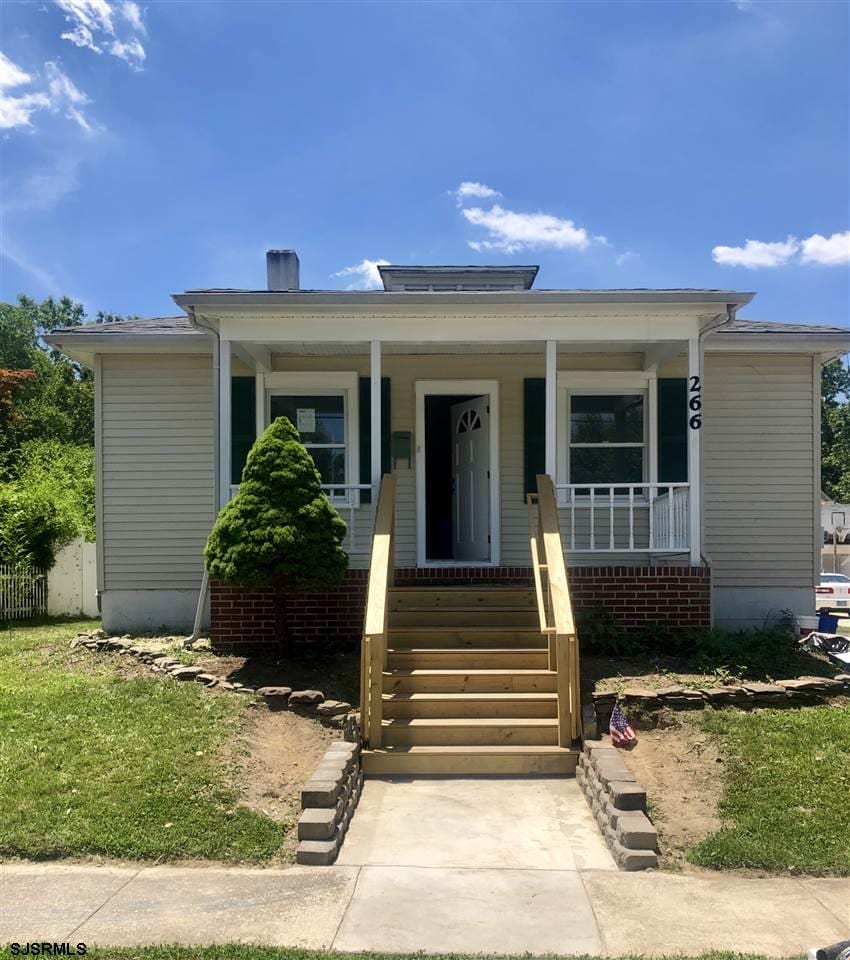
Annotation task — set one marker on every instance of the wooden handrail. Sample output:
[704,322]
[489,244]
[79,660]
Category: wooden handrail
[373,656]
[555,606]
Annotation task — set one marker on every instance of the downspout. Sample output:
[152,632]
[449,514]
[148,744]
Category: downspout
[719,322]
[205,580]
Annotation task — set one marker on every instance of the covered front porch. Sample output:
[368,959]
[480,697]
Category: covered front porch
[466,426]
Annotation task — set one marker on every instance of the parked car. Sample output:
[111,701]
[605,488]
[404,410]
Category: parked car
[833,593]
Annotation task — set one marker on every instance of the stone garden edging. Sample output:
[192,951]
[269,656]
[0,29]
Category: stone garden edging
[278,697]
[618,803]
[647,703]
[328,801]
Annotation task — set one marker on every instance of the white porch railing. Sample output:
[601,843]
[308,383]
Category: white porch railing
[625,517]
[346,499]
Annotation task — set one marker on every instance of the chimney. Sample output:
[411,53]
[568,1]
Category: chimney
[283,270]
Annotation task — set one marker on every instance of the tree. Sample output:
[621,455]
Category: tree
[280,528]
[835,431]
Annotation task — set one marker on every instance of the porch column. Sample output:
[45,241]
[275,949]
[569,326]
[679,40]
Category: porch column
[224,425]
[375,416]
[259,401]
[551,432]
[694,413]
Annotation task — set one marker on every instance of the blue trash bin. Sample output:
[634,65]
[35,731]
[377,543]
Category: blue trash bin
[827,623]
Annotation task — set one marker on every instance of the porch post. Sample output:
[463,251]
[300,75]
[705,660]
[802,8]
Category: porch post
[551,409]
[375,416]
[694,414]
[224,426]
[259,402]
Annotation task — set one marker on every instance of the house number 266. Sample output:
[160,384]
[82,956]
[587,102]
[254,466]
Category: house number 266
[695,402]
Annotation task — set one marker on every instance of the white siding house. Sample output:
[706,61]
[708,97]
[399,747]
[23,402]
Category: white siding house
[677,434]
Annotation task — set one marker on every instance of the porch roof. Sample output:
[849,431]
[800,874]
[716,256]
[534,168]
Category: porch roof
[179,333]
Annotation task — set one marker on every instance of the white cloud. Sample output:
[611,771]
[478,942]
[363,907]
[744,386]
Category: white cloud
[365,273]
[133,15]
[510,232]
[830,251]
[132,52]
[472,190]
[756,253]
[60,94]
[93,27]
[11,74]
[626,257]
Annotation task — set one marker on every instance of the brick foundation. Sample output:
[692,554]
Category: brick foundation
[243,617]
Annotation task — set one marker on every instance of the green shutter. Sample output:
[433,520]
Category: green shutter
[244,424]
[534,428]
[365,416]
[673,431]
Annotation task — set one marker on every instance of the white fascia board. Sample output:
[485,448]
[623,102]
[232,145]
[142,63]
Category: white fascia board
[831,344]
[452,327]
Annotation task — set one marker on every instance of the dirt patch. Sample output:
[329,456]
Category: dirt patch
[276,755]
[682,772]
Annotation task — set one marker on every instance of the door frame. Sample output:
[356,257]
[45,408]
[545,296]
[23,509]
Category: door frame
[470,388]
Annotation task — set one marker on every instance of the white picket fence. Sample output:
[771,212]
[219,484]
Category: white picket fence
[23,592]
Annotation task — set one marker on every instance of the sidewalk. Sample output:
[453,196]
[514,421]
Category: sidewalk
[436,866]
[406,909]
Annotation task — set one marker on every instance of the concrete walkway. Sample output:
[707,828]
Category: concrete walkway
[442,875]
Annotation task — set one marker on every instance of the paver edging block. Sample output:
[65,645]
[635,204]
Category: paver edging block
[328,801]
[647,705]
[618,804]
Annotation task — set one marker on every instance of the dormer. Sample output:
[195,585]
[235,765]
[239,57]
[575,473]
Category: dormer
[426,279]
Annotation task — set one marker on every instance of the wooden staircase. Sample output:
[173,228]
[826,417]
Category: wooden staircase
[463,680]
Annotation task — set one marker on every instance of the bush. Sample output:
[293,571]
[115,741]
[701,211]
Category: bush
[32,527]
[702,648]
[280,528]
[64,474]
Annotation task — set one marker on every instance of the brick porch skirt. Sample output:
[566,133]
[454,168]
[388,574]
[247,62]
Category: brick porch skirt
[243,617]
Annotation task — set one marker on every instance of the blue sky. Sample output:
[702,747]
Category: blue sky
[165,145]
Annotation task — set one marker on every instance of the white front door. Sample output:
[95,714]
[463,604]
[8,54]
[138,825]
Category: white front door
[470,426]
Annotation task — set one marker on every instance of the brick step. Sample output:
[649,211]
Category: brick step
[421,705]
[464,617]
[483,658]
[470,761]
[421,598]
[471,636]
[471,731]
[425,680]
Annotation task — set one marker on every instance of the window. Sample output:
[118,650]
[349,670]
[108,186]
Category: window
[320,421]
[606,438]
[323,409]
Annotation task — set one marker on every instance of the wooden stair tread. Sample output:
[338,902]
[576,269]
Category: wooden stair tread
[466,628]
[466,651]
[435,672]
[485,697]
[507,749]
[470,721]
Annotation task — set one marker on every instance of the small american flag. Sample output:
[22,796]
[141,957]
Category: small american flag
[622,734]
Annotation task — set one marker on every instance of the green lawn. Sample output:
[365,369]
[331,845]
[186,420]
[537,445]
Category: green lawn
[785,804]
[92,764]
[241,952]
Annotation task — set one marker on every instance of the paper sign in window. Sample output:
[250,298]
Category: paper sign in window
[306,419]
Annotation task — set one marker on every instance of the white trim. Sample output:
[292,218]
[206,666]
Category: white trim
[472,388]
[98,472]
[375,412]
[694,448]
[551,421]
[325,383]
[259,404]
[607,382]
[224,423]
